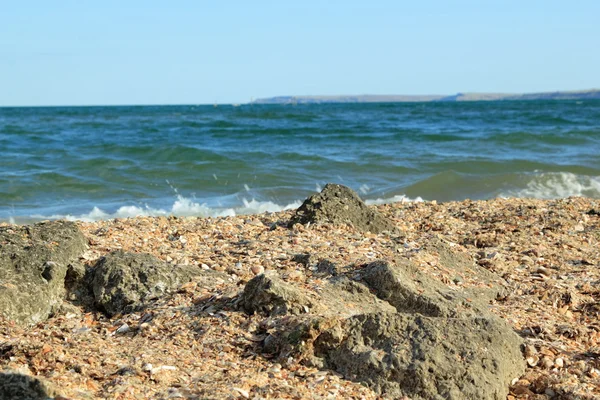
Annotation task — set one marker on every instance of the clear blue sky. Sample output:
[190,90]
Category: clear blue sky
[193,52]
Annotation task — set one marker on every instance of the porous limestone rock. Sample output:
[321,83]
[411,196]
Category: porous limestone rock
[400,332]
[14,386]
[124,282]
[337,204]
[34,262]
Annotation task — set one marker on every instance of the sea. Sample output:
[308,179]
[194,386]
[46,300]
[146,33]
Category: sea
[94,163]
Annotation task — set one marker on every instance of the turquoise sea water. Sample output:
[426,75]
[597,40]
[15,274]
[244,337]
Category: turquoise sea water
[103,162]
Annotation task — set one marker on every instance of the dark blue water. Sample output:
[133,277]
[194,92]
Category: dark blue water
[102,162]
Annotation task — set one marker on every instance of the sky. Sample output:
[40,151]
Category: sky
[203,52]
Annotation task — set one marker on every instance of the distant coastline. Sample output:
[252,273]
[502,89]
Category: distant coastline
[564,95]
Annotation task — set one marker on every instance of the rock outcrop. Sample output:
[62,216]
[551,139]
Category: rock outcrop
[400,332]
[125,282]
[337,204]
[14,385]
[34,263]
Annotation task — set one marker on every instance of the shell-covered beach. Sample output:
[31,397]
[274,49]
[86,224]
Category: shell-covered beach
[198,341]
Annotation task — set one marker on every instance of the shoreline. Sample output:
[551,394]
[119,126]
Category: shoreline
[547,253]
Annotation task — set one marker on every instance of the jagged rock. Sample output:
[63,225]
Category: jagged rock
[399,332]
[18,386]
[34,262]
[422,357]
[267,293]
[337,204]
[410,292]
[125,282]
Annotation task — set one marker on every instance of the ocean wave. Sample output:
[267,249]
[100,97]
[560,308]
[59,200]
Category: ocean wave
[394,199]
[554,185]
[182,207]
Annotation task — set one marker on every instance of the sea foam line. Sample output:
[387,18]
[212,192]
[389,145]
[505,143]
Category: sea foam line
[182,207]
[555,185]
[186,207]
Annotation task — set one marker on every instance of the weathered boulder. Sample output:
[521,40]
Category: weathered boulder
[14,385]
[267,293]
[124,282]
[410,292]
[400,332]
[422,357]
[34,262]
[337,204]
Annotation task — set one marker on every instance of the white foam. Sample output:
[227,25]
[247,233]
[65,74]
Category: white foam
[182,206]
[554,185]
[396,199]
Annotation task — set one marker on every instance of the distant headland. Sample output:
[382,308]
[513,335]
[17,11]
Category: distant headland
[565,95]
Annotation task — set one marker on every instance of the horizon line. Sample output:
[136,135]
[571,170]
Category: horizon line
[254,100]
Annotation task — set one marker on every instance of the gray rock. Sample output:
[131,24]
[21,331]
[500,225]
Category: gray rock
[34,262]
[267,293]
[337,204]
[18,386]
[126,282]
[422,357]
[400,332]
[410,292]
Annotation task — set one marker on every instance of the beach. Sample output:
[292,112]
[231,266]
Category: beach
[197,343]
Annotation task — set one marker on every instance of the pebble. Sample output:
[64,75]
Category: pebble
[559,362]
[543,271]
[276,368]
[257,269]
[123,329]
[547,363]
[147,367]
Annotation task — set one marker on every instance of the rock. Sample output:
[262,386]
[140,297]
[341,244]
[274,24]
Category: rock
[421,357]
[267,293]
[35,261]
[337,204]
[399,332]
[18,386]
[125,282]
[410,292]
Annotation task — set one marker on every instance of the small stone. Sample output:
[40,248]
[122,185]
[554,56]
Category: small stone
[559,362]
[543,271]
[123,329]
[147,367]
[275,368]
[547,363]
[257,269]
